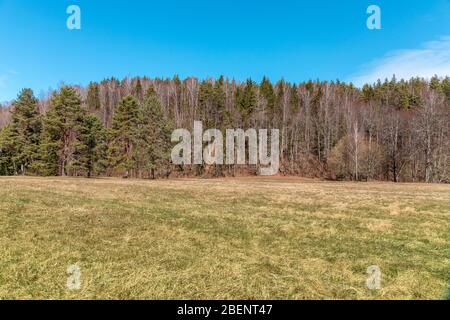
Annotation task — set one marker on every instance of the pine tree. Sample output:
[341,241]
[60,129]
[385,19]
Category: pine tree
[93,97]
[124,146]
[7,152]
[206,104]
[367,93]
[61,133]
[246,100]
[219,98]
[445,87]
[150,91]
[25,130]
[435,83]
[267,92]
[154,137]
[138,92]
[91,149]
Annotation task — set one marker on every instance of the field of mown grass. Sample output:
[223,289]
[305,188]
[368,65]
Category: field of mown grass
[248,238]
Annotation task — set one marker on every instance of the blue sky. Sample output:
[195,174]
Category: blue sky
[295,40]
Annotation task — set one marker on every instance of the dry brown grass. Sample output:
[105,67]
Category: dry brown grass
[265,238]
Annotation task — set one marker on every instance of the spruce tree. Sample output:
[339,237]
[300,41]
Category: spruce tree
[124,146]
[219,98]
[246,100]
[7,152]
[154,137]
[61,133]
[138,92]
[205,103]
[445,85]
[267,92]
[91,149]
[25,130]
[93,97]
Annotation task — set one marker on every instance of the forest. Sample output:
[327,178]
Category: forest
[392,130]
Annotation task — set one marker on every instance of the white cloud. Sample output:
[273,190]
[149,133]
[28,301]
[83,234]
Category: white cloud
[433,58]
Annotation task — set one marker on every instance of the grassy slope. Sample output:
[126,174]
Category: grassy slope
[222,239]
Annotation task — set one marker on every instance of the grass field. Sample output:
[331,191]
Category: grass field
[248,238]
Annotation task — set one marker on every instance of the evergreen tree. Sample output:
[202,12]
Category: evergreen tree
[435,84]
[124,146]
[25,130]
[206,104]
[7,152]
[93,97]
[154,137]
[151,91]
[246,100]
[138,92]
[294,99]
[367,93]
[219,97]
[91,150]
[445,87]
[267,92]
[61,133]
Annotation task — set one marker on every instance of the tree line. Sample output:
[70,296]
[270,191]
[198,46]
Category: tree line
[393,130]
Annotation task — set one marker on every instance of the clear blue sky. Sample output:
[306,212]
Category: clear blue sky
[296,40]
